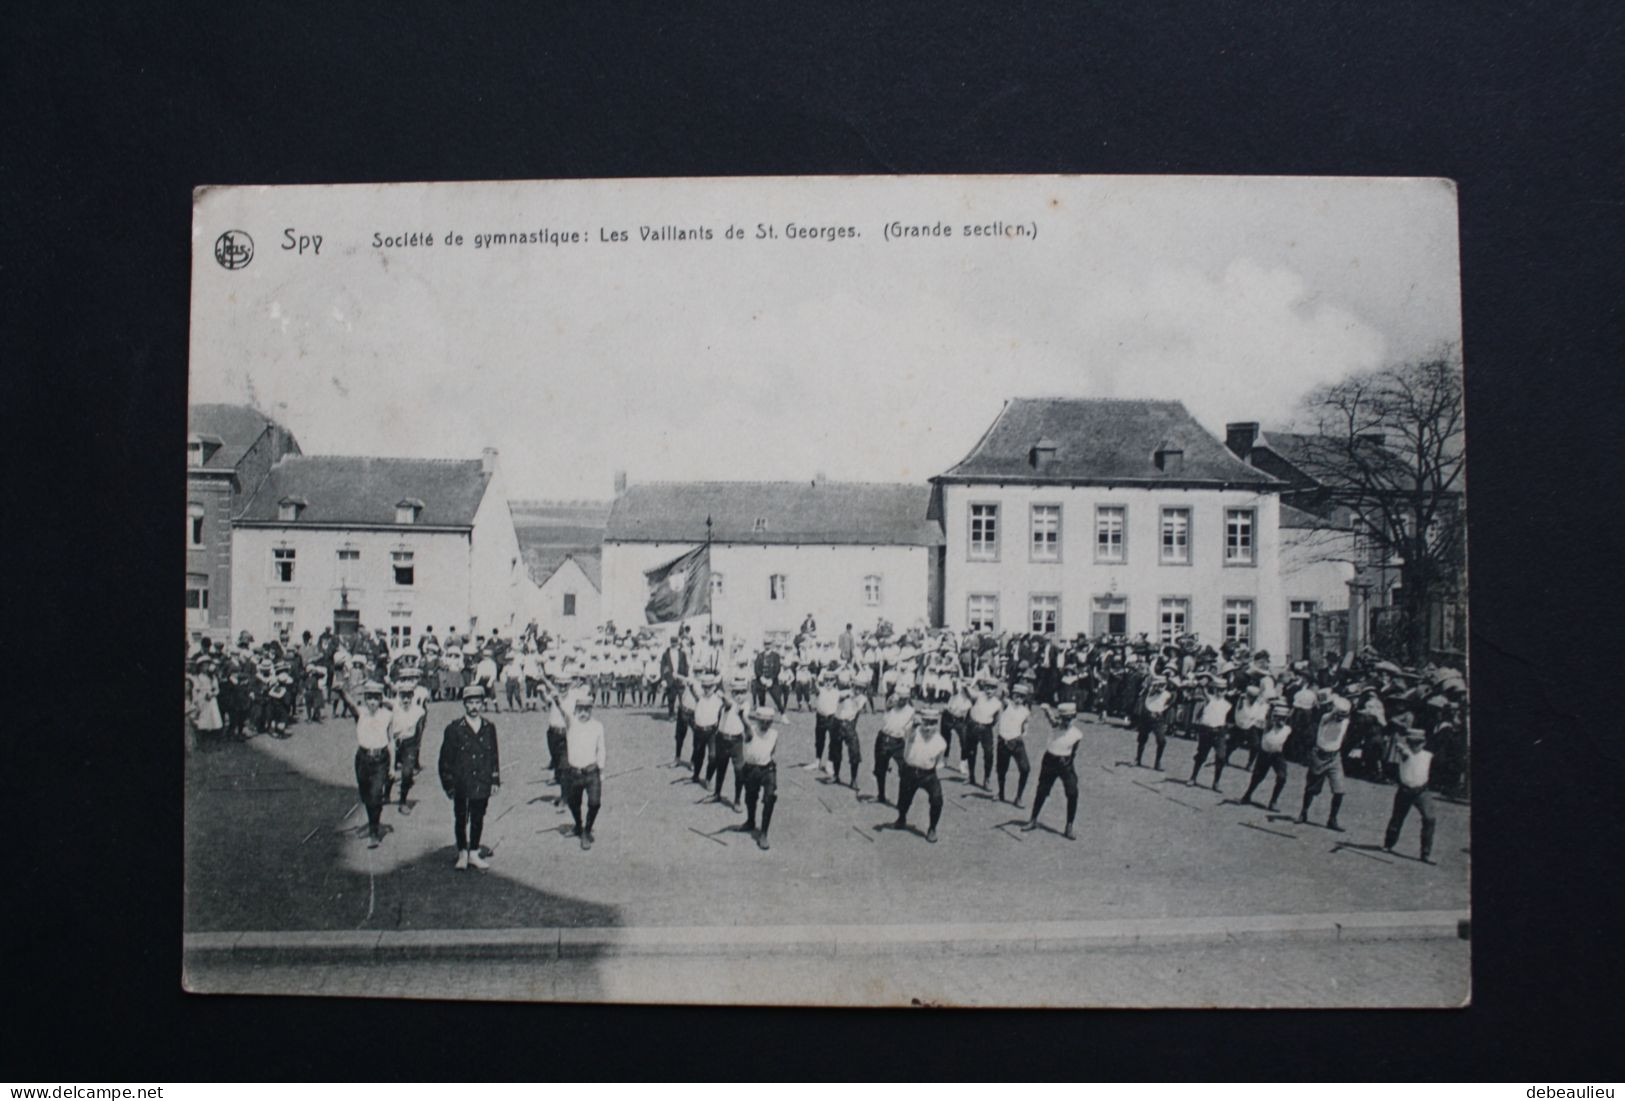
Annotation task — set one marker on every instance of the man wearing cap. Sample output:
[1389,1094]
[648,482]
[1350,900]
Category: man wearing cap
[1326,761]
[1011,732]
[1152,720]
[406,724]
[1211,723]
[373,743]
[984,712]
[687,696]
[1414,764]
[769,670]
[584,767]
[922,753]
[899,719]
[1252,711]
[704,715]
[845,737]
[1059,763]
[1271,755]
[726,744]
[760,772]
[673,666]
[469,771]
[825,702]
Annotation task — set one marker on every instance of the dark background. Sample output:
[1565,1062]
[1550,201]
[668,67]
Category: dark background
[113,114]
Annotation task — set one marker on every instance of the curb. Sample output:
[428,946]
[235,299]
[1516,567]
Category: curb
[815,940]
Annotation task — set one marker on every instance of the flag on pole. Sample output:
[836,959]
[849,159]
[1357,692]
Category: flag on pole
[680,588]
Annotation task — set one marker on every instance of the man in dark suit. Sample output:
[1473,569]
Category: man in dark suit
[469,771]
[769,669]
[673,664]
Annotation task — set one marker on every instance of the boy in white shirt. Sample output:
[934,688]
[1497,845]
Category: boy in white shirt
[760,771]
[1212,721]
[1414,764]
[584,767]
[1153,719]
[1271,752]
[1059,763]
[1011,732]
[825,701]
[889,741]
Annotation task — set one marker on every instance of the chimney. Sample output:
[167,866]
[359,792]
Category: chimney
[620,482]
[1239,437]
[1170,458]
[820,478]
[1042,455]
[488,460]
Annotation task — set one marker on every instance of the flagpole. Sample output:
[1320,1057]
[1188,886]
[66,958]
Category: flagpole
[710,594]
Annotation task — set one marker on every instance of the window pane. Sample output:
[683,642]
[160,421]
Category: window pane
[1238,535]
[1046,533]
[1109,524]
[984,531]
[1176,535]
[1174,618]
[983,613]
[1238,621]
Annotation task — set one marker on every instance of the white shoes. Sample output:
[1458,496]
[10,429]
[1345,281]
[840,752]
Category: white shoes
[462,860]
[474,860]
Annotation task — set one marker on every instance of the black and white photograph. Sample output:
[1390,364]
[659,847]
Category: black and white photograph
[985,591]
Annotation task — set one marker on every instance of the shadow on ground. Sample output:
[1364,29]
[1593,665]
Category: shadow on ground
[269,847]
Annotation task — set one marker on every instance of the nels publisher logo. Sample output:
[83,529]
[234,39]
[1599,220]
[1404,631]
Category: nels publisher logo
[233,249]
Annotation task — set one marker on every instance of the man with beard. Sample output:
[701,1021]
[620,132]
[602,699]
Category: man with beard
[469,771]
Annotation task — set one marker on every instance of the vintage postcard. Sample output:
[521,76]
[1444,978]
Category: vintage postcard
[867,591]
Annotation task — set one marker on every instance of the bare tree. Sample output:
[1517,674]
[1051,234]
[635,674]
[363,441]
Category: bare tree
[1387,456]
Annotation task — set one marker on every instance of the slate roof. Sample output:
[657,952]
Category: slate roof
[551,531]
[345,490]
[1300,519]
[875,513]
[1316,456]
[590,565]
[1102,440]
[235,426]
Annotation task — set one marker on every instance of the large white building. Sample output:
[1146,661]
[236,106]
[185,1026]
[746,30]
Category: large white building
[843,552]
[399,544]
[1107,516]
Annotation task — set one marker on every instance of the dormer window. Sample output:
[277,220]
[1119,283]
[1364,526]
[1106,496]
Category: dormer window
[200,448]
[761,524]
[1170,458]
[1042,454]
[407,510]
[289,508]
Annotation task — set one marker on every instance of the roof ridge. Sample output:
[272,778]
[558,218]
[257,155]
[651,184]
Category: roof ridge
[1103,401]
[764,482]
[383,458]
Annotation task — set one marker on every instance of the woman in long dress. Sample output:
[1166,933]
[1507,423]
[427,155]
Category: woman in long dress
[205,697]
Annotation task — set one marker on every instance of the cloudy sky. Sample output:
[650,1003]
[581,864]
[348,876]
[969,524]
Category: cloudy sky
[862,358]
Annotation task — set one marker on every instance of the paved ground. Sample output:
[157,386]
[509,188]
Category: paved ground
[269,846]
[1397,973]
